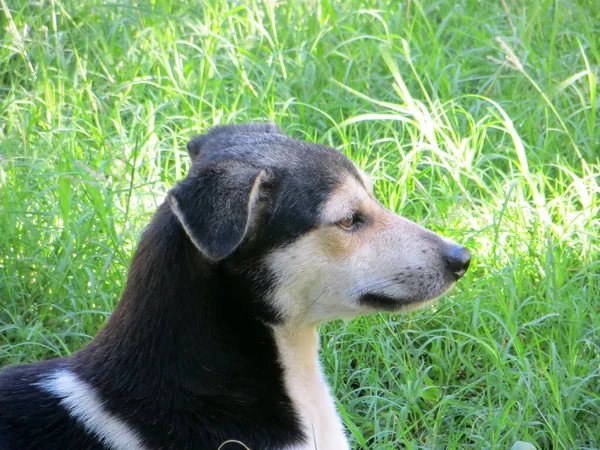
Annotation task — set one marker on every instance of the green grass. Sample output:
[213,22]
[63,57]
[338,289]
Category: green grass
[479,119]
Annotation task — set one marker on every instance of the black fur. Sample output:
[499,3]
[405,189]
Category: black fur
[187,359]
[217,223]
[198,143]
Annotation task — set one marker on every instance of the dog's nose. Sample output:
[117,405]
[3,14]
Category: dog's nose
[457,260]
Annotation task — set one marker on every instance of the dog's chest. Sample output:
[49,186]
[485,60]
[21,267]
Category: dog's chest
[304,382]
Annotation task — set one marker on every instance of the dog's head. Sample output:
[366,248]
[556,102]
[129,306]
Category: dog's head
[302,220]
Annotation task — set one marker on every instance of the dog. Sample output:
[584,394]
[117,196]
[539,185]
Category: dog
[214,340]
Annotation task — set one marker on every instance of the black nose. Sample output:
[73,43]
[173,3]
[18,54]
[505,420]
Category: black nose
[457,260]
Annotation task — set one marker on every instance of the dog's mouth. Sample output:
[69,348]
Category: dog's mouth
[412,290]
[381,301]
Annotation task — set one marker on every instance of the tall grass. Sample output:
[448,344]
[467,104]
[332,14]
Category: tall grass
[477,119]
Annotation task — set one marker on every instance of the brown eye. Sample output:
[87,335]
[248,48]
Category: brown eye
[347,222]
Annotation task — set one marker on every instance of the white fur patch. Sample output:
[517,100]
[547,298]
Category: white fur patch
[84,405]
[304,382]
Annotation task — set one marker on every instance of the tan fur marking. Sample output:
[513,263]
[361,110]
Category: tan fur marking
[323,275]
[351,196]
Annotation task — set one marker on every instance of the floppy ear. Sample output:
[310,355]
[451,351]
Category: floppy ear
[198,143]
[194,146]
[215,205]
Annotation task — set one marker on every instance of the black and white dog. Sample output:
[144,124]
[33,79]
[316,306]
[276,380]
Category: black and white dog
[214,339]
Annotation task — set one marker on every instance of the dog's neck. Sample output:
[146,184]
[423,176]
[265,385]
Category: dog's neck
[183,337]
[177,311]
[182,334]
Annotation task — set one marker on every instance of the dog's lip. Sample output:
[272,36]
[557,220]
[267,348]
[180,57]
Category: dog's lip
[386,302]
[383,301]
[460,273]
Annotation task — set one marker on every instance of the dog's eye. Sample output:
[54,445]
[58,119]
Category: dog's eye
[349,222]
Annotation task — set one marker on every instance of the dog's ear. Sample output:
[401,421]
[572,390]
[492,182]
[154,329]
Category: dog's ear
[215,205]
[198,143]
[194,146]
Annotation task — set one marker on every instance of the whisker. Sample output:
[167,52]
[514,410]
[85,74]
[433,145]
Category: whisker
[382,281]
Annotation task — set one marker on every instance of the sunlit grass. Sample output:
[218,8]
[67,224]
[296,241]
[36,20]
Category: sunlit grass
[477,119]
